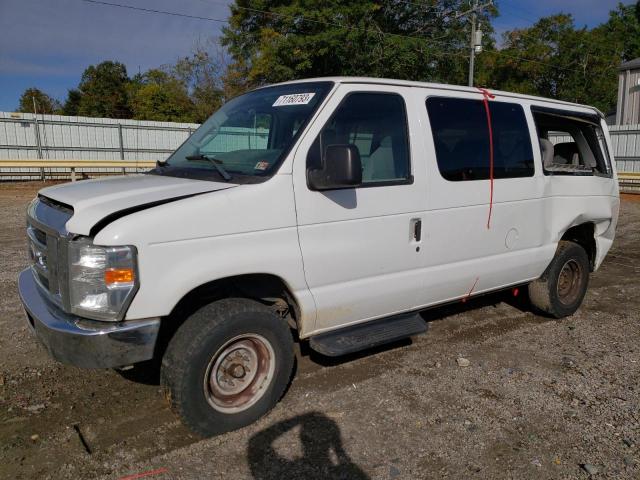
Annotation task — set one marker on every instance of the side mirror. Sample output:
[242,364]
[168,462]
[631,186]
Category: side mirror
[341,168]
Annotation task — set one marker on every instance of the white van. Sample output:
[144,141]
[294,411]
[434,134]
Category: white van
[329,210]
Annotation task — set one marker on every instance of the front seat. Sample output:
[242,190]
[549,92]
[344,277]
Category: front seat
[380,165]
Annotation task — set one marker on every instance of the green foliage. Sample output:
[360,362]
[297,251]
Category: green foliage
[72,103]
[43,102]
[311,38]
[200,74]
[156,95]
[103,89]
[554,59]
[415,40]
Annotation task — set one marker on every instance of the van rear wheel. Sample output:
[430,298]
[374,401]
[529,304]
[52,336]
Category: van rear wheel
[561,288]
[227,365]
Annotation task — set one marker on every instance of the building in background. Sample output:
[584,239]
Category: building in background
[628,111]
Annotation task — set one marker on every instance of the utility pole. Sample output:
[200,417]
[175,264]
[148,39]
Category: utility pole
[475,44]
[472,44]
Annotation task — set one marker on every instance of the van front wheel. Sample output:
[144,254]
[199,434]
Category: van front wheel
[227,365]
[561,288]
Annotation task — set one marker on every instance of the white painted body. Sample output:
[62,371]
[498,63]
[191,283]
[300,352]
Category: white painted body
[349,256]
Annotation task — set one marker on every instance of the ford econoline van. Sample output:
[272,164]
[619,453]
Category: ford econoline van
[330,211]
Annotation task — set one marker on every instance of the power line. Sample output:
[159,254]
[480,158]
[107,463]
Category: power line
[344,26]
[443,12]
[339,25]
[475,42]
[151,10]
[264,12]
[540,62]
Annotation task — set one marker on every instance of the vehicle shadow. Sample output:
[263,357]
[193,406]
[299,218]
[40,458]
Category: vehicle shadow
[146,373]
[520,302]
[324,456]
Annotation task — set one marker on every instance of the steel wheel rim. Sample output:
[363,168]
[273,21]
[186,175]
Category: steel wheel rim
[569,281]
[239,373]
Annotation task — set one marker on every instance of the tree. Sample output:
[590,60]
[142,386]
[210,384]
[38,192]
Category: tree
[43,102]
[621,33]
[201,74]
[234,79]
[72,103]
[533,60]
[103,89]
[554,59]
[157,95]
[275,41]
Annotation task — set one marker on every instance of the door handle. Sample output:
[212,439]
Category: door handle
[417,229]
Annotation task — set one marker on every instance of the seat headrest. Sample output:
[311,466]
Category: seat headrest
[385,142]
[547,150]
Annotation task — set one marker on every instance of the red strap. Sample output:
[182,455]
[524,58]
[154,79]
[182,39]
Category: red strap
[485,98]
[464,299]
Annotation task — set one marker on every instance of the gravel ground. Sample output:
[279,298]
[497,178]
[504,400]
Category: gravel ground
[539,398]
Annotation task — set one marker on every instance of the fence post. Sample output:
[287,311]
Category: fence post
[121,142]
[38,143]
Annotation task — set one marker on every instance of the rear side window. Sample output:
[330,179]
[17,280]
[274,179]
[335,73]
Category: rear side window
[461,137]
[376,123]
[571,144]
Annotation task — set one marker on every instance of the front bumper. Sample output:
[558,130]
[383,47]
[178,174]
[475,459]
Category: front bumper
[81,342]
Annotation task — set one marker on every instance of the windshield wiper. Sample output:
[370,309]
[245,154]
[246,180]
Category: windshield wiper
[214,161]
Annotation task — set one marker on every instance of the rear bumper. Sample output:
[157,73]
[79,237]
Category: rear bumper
[81,342]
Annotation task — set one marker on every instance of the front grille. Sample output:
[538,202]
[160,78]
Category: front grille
[47,237]
[42,263]
[38,254]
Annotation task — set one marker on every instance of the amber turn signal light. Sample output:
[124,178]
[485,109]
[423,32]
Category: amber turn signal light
[118,275]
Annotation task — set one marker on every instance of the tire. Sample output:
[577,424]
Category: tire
[227,365]
[561,288]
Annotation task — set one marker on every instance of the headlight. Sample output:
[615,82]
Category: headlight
[102,280]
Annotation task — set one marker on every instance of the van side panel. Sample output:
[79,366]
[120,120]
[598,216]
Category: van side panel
[464,256]
[242,230]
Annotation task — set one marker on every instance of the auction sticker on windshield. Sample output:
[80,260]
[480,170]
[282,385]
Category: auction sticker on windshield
[293,99]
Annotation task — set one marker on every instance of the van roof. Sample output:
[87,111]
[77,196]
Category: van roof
[442,86]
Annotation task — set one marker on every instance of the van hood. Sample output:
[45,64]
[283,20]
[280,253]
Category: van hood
[103,200]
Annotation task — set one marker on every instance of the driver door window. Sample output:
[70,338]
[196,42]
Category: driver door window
[376,123]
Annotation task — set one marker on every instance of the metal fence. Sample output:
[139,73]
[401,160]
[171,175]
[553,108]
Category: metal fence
[626,147]
[56,137]
[24,135]
[50,137]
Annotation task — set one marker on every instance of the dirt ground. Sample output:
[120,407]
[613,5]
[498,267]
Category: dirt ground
[540,399]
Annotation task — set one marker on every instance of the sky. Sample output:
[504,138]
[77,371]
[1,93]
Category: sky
[48,43]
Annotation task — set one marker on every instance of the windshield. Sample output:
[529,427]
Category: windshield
[250,135]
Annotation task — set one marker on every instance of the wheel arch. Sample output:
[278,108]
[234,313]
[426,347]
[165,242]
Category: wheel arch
[584,235]
[266,288]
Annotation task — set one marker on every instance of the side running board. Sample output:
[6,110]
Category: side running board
[367,335]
